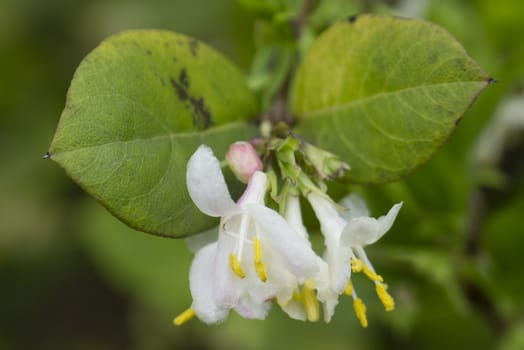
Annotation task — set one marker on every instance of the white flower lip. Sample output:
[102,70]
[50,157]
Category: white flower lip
[226,273]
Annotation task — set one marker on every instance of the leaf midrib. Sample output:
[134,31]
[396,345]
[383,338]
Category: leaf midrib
[170,135]
[354,103]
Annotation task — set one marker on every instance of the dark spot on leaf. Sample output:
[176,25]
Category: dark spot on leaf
[193,46]
[201,115]
[148,52]
[202,118]
[458,121]
[183,79]
[180,90]
[174,59]
[47,155]
[353,18]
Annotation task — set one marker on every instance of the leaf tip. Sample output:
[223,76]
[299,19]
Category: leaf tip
[352,18]
[492,81]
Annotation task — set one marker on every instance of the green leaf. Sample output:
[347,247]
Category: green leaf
[138,106]
[384,93]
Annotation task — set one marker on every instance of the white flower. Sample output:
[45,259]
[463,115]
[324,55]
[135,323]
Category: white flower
[257,256]
[345,236]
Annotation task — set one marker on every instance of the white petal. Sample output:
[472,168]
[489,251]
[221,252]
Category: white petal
[200,282]
[294,309]
[255,190]
[198,241]
[283,282]
[294,215]
[340,268]
[360,231]
[206,184]
[366,230]
[355,205]
[385,222]
[248,308]
[228,287]
[329,307]
[292,248]
[331,223]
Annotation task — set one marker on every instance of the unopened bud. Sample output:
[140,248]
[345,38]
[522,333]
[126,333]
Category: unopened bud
[243,160]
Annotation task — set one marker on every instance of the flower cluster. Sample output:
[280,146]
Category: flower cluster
[261,256]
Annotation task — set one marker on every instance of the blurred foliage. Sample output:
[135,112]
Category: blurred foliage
[74,277]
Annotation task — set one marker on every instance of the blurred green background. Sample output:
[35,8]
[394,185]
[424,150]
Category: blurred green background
[74,277]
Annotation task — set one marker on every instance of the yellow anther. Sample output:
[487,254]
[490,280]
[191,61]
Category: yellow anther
[260,267]
[356,265]
[385,297]
[296,295]
[235,266]
[184,317]
[349,289]
[310,303]
[360,311]
[372,274]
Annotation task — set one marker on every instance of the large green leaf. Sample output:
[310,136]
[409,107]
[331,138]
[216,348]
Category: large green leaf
[384,93]
[138,106]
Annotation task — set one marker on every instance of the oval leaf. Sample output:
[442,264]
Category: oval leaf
[138,106]
[384,93]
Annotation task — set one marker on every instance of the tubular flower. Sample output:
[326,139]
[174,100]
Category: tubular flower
[345,236]
[257,256]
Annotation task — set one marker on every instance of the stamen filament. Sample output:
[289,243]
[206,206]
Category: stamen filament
[360,311]
[184,317]
[242,235]
[386,298]
[235,266]
[310,303]
[260,267]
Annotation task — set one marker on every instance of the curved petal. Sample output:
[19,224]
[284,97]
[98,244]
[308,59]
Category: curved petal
[331,223]
[366,230]
[292,248]
[340,268]
[385,222]
[294,309]
[360,231]
[355,206]
[206,184]
[248,308]
[227,286]
[294,215]
[200,282]
[255,190]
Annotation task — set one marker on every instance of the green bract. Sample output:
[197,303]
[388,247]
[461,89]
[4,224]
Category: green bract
[384,93]
[138,107]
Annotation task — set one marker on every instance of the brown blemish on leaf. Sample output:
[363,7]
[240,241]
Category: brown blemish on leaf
[202,118]
[201,115]
[183,79]
[180,90]
[193,46]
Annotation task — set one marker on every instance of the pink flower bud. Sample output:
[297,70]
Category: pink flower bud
[243,160]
